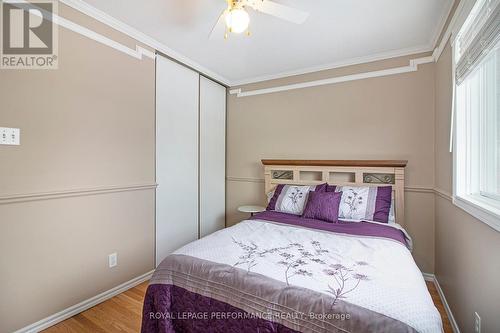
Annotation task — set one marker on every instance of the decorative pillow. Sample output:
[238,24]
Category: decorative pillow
[291,199]
[323,206]
[372,203]
[392,215]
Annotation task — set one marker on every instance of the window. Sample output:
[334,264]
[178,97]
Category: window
[477,107]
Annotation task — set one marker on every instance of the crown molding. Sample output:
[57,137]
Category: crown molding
[429,47]
[124,28]
[442,22]
[338,64]
[118,25]
[412,67]
[461,12]
[136,53]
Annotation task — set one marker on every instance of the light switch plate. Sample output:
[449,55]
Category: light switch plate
[10,136]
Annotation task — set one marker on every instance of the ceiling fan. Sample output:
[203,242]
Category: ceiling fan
[235,18]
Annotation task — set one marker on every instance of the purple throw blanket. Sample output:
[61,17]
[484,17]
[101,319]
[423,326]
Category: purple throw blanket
[169,309]
[368,229]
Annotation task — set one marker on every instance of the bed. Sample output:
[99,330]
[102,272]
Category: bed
[279,272]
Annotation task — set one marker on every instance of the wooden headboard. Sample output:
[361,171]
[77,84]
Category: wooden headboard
[340,172]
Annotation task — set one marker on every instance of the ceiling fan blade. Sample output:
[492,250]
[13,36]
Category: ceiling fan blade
[219,28]
[280,11]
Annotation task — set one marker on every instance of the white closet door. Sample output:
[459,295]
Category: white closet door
[177,93]
[212,156]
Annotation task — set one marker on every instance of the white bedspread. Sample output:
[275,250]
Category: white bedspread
[373,273]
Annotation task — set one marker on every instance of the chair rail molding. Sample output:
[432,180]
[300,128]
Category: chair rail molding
[77,192]
[443,194]
[409,188]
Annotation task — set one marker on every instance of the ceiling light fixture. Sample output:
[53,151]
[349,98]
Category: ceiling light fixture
[237,20]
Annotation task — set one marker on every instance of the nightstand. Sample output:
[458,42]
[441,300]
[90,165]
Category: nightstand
[251,209]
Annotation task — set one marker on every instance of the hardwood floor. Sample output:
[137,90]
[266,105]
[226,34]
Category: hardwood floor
[439,305]
[122,313]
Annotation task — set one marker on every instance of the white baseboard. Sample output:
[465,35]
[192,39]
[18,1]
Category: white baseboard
[432,278]
[82,306]
[429,277]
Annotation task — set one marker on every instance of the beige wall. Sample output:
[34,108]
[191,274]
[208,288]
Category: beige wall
[89,124]
[467,250]
[381,118]
[403,116]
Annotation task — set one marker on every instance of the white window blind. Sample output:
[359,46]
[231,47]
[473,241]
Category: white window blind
[477,124]
[480,32]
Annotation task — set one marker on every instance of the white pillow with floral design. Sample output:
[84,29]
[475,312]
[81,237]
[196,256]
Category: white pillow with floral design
[291,199]
[353,205]
[365,203]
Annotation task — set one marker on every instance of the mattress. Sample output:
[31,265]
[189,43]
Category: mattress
[281,273]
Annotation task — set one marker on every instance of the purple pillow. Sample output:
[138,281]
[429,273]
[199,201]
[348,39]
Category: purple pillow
[364,203]
[323,206]
[321,187]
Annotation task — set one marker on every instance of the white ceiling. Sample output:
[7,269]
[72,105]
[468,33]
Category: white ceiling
[337,32]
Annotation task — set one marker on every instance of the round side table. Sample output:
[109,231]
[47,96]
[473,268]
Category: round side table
[251,209]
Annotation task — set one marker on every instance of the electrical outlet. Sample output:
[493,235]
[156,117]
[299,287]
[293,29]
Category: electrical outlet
[10,136]
[477,323]
[113,260]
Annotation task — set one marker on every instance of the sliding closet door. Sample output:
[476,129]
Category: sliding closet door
[177,95]
[212,156]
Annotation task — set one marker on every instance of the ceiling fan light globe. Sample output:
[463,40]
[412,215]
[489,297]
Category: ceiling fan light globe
[237,20]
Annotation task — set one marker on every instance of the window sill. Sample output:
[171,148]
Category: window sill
[480,209]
